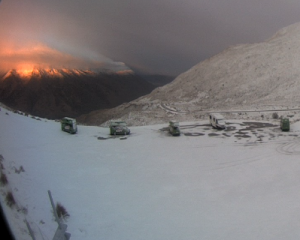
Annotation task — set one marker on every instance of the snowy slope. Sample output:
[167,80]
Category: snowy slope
[247,74]
[242,183]
[262,73]
[260,76]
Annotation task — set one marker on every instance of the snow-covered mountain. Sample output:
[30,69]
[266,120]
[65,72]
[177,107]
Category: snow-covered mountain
[55,93]
[41,73]
[247,76]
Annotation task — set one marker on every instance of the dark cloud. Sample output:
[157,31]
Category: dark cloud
[159,36]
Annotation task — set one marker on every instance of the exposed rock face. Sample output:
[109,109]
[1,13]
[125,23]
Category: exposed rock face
[248,76]
[56,93]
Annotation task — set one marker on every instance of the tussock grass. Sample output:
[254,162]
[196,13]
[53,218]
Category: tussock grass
[10,200]
[21,169]
[3,179]
[61,211]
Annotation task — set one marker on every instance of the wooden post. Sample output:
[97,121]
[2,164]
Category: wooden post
[60,233]
[54,210]
[30,230]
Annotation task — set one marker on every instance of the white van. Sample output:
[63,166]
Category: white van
[217,120]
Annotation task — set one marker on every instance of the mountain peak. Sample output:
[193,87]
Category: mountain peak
[27,73]
[39,73]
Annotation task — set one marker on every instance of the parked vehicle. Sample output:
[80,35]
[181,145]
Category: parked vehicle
[217,120]
[118,128]
[174,128]
[285,124]
[69,125]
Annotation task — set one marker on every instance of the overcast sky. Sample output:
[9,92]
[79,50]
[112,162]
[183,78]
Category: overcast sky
[157,36]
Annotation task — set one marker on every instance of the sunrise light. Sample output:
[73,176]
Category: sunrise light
[25,70]
[38,60]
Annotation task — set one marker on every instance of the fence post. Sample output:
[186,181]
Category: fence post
[30,230]
[60,233]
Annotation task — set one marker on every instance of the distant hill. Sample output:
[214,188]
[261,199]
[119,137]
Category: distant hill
[55,93]
[157,80]
[247,76]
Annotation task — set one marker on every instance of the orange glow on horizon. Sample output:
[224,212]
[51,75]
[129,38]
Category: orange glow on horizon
[25,70]
[25,59]
[30,59]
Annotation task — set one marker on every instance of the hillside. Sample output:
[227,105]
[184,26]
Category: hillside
[57,93]
[157,80]
[248,76]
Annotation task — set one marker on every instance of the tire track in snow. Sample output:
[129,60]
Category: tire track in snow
[289,148]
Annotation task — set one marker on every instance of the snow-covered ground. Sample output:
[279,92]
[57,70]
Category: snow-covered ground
[242,183]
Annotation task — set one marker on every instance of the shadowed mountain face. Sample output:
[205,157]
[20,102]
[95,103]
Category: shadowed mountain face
[58,93]
[158,80]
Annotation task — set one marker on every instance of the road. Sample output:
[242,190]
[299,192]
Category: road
[170,109]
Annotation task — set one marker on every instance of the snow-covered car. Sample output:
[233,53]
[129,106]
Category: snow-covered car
[69,125]
[285,124]
[118,128]
[217,120]
[174,128]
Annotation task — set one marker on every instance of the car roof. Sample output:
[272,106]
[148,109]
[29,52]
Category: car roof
[68,118]
[217,115]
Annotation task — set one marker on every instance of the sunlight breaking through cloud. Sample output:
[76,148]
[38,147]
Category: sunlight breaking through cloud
[39,55]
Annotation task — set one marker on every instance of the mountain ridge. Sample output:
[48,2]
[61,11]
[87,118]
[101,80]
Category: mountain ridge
[244,76]
[38,72]
[69,92]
